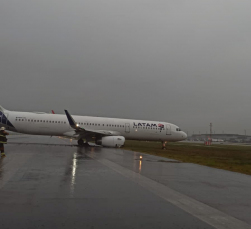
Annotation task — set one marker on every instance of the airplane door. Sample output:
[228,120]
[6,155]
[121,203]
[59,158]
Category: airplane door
[127,127]
[168,129]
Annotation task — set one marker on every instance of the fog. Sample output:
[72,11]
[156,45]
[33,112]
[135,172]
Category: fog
[184,62]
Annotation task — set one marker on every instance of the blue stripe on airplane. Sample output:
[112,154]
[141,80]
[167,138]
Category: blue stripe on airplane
[4,120]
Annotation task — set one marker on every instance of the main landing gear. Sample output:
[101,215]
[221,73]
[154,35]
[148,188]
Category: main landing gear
[164,145]
[81,142]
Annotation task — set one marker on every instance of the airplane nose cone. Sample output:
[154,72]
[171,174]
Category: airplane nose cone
[184,135]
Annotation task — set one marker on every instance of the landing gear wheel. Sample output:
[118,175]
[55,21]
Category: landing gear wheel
[80,142]
[164,145]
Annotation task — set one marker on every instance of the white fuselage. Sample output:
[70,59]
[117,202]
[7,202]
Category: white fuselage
[58,125]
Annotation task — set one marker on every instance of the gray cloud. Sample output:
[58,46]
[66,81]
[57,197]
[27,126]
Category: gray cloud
[177,61]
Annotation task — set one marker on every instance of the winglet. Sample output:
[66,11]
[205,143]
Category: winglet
[52,111]
[72,122]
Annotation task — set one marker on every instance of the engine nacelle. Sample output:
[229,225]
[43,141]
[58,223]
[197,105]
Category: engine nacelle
[111,141]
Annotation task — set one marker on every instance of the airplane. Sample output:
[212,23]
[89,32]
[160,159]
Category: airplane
[107,132]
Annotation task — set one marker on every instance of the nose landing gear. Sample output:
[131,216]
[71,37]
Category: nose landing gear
[163,145]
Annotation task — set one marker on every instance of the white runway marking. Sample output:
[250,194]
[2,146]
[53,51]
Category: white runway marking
[202,211]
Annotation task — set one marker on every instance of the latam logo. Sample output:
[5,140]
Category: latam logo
[144,124]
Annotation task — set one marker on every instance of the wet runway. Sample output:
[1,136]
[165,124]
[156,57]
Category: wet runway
[50,183]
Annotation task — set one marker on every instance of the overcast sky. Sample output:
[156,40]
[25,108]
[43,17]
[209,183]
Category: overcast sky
[184,62]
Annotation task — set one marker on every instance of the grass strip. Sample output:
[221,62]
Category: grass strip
[229,157]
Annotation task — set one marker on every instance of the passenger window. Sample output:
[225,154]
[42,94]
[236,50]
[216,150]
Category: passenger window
[64,122]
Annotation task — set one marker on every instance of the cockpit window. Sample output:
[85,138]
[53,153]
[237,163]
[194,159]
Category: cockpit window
[178,129]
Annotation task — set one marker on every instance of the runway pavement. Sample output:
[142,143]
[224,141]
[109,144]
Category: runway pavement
[51,183]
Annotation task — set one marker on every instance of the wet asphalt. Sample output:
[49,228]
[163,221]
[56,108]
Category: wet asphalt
[51,183]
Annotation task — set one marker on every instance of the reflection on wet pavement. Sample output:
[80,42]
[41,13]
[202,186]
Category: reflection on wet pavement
[46,184]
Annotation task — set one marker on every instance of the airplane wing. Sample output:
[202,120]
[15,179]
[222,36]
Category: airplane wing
[80,132]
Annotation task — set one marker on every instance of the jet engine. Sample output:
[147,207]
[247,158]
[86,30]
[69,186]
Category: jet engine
[111,141]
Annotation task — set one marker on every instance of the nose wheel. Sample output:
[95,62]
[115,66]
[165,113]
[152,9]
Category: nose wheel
[164,145]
